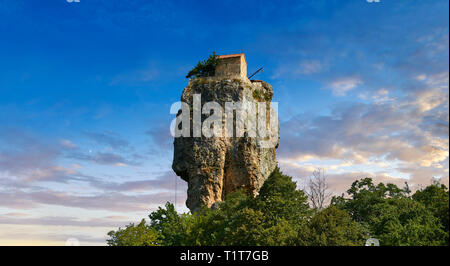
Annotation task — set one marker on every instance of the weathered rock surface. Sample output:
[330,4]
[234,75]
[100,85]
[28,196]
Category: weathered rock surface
[216,166]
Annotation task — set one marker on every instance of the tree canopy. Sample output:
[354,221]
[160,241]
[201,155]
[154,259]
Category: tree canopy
[281,215]
[395,218]
[205,68]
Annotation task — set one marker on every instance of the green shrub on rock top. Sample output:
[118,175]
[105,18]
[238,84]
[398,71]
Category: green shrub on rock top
[205,68]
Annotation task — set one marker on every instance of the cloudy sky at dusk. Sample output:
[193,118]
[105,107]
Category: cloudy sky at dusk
[86,90]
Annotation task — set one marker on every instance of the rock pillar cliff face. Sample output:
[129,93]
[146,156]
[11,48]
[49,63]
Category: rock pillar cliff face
[216,166]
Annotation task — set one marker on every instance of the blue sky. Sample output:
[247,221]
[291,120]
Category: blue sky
[86,90]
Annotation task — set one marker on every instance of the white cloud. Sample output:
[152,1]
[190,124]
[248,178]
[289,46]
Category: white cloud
[65,143]
[309,67]
[341,86]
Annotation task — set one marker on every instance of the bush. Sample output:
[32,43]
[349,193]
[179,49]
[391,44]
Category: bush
[205,68]
[334,227]
[395,218]
[135,235]
[436,199]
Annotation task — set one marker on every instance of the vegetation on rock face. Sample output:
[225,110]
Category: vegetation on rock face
[260,96]
[281,215]
[205,68]
[256,95]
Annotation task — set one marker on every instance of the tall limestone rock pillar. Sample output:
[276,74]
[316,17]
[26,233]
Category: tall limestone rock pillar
[215,166]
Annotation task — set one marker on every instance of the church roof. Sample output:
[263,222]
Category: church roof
[230,55]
